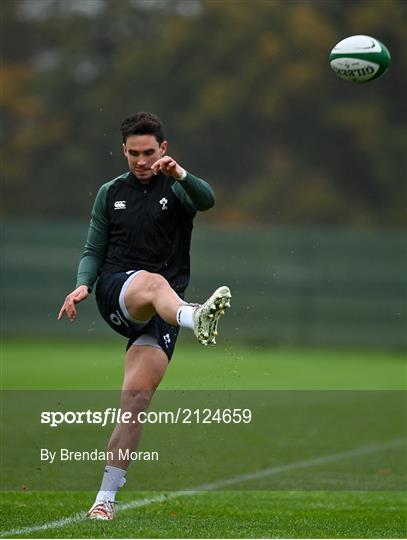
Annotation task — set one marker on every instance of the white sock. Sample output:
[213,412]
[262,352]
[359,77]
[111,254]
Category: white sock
[185,316]
[113,479]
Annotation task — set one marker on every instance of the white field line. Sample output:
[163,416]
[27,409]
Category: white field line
[272,471]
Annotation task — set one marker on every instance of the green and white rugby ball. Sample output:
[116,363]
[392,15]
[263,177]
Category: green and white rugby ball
[360,59]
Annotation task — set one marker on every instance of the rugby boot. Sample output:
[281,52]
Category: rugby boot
[206,316]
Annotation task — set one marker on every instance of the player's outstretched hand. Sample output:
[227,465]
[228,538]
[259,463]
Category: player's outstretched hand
[69,307]
[168,166]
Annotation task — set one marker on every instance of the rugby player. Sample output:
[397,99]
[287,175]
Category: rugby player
[137,253]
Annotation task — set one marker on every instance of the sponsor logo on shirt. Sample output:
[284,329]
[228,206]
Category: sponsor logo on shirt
[120,205]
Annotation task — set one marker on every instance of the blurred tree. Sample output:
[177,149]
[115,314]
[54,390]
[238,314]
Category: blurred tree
[244,88]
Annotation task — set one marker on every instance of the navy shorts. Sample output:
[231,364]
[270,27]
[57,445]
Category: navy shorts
[110,291]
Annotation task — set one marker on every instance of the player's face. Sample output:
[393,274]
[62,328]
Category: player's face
[141,152]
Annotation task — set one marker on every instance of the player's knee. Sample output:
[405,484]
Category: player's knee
[145,286]
[137,400]
[154,282]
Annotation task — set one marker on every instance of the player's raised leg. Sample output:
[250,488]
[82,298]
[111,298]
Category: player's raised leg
[149,293]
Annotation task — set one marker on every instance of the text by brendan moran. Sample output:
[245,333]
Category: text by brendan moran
[64,454]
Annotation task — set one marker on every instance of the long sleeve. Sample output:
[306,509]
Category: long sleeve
[194,193]
[96,243]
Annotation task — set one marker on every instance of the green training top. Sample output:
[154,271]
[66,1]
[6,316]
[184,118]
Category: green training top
[138,226]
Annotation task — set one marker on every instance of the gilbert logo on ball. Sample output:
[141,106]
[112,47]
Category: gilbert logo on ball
[359,59]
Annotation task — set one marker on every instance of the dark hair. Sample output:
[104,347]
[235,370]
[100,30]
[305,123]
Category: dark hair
[143,123]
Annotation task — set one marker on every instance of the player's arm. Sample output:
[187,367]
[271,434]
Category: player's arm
[92,258]
[193,192]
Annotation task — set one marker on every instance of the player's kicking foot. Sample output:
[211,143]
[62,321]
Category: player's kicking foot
[102,510]
[206,316]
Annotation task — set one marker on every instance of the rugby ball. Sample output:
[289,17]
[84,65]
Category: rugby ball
[359,59]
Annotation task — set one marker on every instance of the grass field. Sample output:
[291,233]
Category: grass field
[232,505]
